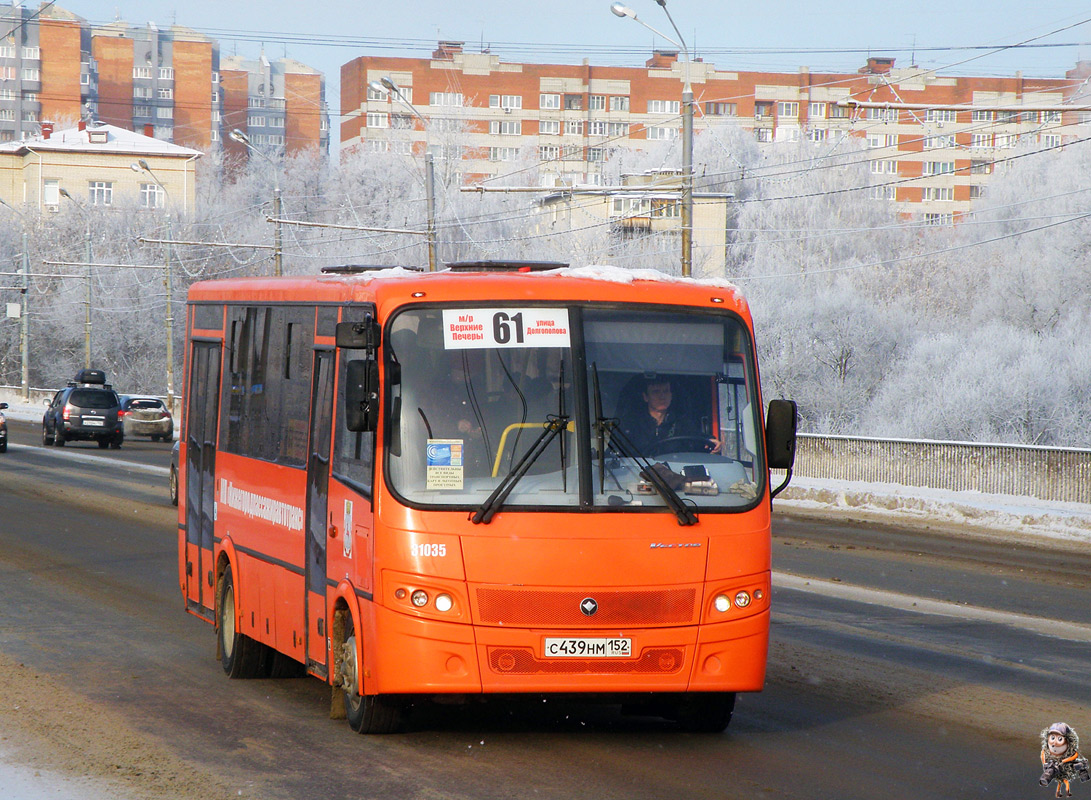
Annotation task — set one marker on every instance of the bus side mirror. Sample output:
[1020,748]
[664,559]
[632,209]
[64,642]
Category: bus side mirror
[358,335]
[780,434]
[361,394]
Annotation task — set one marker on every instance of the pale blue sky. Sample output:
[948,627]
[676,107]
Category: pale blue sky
[327,33]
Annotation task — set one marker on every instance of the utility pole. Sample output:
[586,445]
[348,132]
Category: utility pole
[24,323]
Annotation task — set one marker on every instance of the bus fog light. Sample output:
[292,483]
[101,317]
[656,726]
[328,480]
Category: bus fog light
[400,594]
[742,599]
[444,602]
[722,603]
[758,594]
[419,598]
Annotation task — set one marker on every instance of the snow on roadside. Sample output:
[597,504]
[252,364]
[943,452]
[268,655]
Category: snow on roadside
[21,782]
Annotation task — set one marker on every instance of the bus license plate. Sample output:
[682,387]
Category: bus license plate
[588,648]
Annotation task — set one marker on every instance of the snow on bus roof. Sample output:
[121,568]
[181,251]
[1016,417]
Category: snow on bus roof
[597,272]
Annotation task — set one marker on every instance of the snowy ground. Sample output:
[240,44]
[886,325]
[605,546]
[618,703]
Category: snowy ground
[969,513]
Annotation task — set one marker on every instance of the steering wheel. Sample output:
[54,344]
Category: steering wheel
[676,444]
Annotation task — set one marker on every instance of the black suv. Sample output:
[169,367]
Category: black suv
[86,409]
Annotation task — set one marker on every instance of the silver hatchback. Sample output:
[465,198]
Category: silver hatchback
[147,416]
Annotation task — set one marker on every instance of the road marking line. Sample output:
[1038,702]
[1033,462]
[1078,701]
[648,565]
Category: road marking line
[904,602]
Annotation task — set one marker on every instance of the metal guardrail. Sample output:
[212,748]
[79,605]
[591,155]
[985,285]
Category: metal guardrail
[1059,474]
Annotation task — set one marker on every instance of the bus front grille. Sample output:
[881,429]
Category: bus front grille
[521,661]
[563,609]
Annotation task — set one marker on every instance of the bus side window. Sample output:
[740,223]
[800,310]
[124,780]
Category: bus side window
[354,451]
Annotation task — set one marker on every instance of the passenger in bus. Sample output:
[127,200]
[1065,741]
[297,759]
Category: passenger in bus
[650,424]
[447,409]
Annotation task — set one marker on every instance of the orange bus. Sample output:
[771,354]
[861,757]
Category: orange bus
[499,478]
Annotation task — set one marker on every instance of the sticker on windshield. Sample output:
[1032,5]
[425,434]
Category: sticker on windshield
[444,464]
[490,328]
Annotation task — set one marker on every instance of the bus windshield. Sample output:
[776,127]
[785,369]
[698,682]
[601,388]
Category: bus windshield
[580,403]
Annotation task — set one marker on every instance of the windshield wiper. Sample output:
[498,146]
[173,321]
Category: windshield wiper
[610,429]
[553,426]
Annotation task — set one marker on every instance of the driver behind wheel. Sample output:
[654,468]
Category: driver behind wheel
[654,422]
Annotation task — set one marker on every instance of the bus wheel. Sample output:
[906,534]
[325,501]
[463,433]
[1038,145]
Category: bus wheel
[703,712]
[240,656]
[369,713]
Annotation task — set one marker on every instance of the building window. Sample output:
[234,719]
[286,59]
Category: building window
[7,51]
[1050,139]
[505,101]
[278,122]
[882,114]
[142,111]
[572,152]
[939,167]
[32,74]
[977,191]
[374,120]
[983,116]
[255,102]
[7,114]
[254,121]
[503,153]
[939,219]
[142,92]
[619,102]
[548,152]
[30,116]
[763,110]
[214,135]
[142,72]
[165,93]
[32,53]
[981,140]
[883,192]
[763,134]
[573,127]
[596,154]
[445,99]
[875,140]
[788,109]
[661,133]
[549,102]
[818,135]
[30,97]
[85,79]
[939,142]
[932,193]
[940,115]
[151,196]
[278,139]
[619,129]
[597,128]
[597,102]
[166,74]
[1007,117]
[100,193]
[51,192]
[1051,117]
[164,112]
[663,107]
[573,102]
[506,127]
[721,109]
[373,93]
[834,111]
[884,167]
[978,167]
[549,127]
[8,94]
[816,111]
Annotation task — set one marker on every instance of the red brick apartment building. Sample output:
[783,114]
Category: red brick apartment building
[932,140]
[165,83]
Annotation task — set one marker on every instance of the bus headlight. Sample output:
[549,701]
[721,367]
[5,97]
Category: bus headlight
[742,599]
[419,598]
[444,603]
[722,603]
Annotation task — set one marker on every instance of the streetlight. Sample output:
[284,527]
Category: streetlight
[87,260]
[244,140]
[24,331]
[141,165]
[621,10]
[386,84]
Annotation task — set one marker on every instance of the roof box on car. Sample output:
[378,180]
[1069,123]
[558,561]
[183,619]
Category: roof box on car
[95,377]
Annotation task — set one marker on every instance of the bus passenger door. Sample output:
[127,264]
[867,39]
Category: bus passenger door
[318,480]
[203,412]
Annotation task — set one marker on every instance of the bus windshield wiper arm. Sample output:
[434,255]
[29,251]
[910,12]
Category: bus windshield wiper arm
[609,429]
[553,426]
[685,514]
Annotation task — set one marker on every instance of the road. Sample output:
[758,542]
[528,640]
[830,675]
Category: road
[902,664]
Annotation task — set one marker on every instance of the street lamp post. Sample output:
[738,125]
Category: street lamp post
[87,260]
[429,166]
[24,323]
[244,140]
[621,10]
[142,166]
